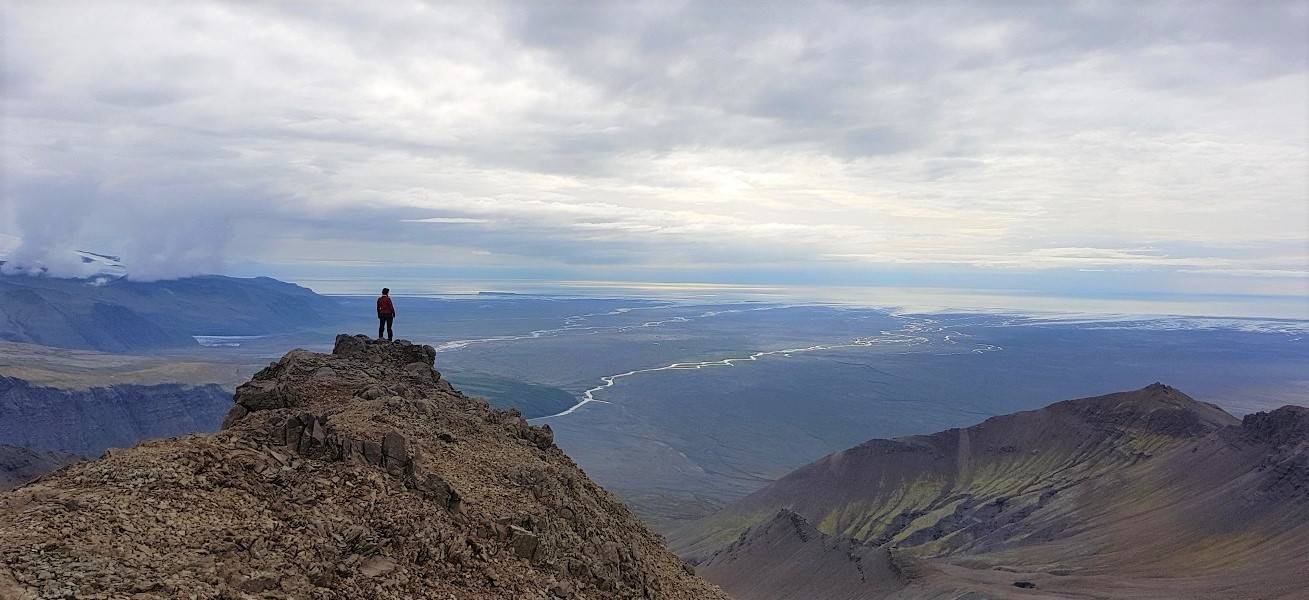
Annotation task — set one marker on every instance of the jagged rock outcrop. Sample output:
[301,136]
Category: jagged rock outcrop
[359,474]
[1286,427]
[1286,466]
[1140,494]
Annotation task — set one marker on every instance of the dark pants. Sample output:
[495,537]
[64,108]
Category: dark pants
[384,324]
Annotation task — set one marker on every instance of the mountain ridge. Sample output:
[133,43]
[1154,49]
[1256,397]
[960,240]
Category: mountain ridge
[1105,495]
[360,473]
[124,315]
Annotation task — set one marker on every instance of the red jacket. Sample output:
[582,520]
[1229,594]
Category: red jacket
[384,307]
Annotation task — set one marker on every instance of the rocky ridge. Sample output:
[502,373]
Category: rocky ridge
[356,474]
[1140,494]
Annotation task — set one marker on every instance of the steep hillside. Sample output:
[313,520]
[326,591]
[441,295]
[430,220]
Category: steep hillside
[359,474]
[1139,494]
[86,422]
[786,557]
[124,315]
[20,465]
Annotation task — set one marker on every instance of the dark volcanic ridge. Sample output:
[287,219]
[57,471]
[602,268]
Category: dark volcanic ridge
[355,474]
[1144,494]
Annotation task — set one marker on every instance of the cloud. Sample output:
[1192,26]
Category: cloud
[742,137]
[447,220]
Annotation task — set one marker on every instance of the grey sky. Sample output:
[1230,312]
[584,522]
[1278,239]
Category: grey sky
[668,141]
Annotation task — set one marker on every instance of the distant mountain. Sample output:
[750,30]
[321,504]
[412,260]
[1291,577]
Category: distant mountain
[356,474]
[19,465]
[1142,494]
[86,422]
[119,315]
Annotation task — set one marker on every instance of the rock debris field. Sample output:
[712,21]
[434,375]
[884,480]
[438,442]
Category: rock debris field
[356,474]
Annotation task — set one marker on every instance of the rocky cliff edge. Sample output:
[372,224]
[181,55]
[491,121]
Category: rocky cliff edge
[355,474]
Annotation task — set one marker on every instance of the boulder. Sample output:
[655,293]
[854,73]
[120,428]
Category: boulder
[542,437]
[421,370]
[523,542]
[394,456]
[350,345]
[399,352]
[373,453]
[299,362]
[264,394]
[376,566]
[292,431]
[435,488]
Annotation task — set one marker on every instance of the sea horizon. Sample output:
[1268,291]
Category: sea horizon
[897,299]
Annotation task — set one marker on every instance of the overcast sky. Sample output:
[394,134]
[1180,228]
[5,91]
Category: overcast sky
[1135,146]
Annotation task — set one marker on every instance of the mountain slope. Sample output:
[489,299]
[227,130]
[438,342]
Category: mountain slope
[124,315]
[20,465]
[786,557]
[1137,494]
[359,474]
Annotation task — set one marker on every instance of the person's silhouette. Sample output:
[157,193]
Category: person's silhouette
[385,314]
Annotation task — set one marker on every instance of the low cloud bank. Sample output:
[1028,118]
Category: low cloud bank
[153,240]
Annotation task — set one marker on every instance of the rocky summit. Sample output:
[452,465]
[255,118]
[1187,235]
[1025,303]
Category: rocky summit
[356,474]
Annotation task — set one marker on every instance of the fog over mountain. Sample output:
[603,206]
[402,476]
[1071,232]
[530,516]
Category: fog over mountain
[161,237]
[1115,147]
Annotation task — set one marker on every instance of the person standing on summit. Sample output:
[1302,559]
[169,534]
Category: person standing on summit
[385,314]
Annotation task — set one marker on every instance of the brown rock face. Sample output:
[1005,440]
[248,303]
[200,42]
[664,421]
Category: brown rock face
[1287,426]
[356,474]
